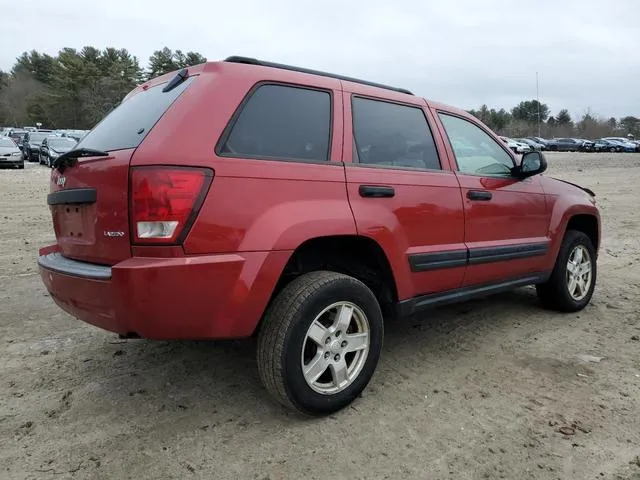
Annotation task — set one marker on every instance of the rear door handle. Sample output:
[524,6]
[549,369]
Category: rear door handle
[479,195]
[376,191]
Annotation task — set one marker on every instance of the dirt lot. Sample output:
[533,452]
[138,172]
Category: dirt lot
[477,390]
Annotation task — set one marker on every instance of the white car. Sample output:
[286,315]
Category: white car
[517,147]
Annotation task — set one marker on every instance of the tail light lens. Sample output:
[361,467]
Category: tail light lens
[164,202]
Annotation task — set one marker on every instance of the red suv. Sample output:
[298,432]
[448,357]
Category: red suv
[242,197]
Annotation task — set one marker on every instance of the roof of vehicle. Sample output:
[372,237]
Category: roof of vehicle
[283,72]
[235,59]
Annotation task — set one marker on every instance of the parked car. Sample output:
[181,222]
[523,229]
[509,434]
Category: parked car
[75,134]
[10,155]
[52,147]
[17,136]
[31,145]
[564,145]
[625,144]
[585,145]
[603,145]
[304,231]
[537,146]
[515,146]
[541,140]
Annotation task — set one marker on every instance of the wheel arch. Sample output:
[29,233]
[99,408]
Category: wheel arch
[358,256]
[587,224]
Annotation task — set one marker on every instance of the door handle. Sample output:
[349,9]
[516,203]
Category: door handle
[479,195]
[376,191]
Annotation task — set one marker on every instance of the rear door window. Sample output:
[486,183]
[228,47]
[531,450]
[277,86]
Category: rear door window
[281,122]
[130,122]
[393,135]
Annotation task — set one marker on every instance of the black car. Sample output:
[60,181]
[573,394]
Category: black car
[31,145]
[53,147]
[603,145]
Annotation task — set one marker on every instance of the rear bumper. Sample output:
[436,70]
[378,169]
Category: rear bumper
[203,297]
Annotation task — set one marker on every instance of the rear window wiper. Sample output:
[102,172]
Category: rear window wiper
[70,158]
[180,77]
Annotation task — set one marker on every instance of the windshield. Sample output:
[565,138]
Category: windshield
[56,143]
[6,142]
[131,121]
[37,137]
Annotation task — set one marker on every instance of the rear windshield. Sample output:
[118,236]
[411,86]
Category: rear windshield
[128,124]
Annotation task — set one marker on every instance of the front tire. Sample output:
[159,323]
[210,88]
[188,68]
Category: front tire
[320,342]
[573,279]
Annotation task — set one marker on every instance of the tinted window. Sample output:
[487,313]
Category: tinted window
[282,122]
[128,124]
[476,152]
[395,135]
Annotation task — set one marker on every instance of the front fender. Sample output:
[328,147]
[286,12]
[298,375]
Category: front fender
[563,208]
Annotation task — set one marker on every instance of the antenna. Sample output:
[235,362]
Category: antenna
[538,100]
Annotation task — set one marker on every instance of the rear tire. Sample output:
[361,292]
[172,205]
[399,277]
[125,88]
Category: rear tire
[573,279]
[320,342]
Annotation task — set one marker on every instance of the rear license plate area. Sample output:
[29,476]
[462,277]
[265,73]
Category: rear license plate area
[76,223]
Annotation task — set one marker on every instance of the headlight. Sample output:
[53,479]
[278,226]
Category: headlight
[16,154]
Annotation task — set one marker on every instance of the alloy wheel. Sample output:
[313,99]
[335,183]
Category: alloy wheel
[579,273]
[335,348]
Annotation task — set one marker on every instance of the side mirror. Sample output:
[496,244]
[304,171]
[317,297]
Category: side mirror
[532,163]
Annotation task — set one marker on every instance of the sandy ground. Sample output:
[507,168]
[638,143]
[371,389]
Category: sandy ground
[477,390]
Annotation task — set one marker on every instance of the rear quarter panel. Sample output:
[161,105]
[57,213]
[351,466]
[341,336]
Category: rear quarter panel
[252,205]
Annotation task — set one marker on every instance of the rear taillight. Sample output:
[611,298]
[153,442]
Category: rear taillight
[164,202]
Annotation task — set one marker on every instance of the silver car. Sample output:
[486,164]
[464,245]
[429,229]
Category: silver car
[10,154]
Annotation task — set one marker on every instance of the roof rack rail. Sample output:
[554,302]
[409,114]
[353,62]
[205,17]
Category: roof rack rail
[254,61]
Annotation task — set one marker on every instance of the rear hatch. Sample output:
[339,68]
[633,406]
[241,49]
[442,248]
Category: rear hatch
[89,200]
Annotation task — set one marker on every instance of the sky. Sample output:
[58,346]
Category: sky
[461,52]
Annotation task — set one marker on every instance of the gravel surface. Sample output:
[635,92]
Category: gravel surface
[495,388]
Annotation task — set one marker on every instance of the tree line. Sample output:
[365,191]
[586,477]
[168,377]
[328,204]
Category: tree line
[76,88]
[522,121]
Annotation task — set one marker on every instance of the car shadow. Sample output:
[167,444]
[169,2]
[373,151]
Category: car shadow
[218,381]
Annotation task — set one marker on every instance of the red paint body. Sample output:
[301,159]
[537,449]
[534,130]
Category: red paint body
[256,213]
